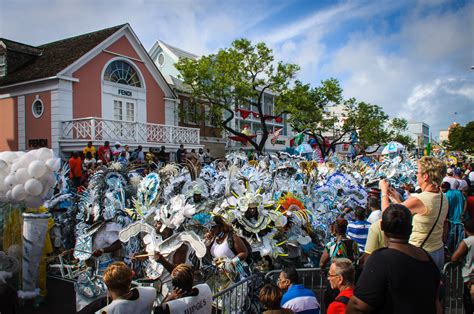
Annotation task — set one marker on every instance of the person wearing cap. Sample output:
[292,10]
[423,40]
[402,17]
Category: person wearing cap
[450,177]
[117,150]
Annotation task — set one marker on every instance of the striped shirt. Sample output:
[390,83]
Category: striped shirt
[300,300]
[358,230]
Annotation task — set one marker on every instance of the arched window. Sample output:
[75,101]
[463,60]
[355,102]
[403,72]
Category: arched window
[123,73]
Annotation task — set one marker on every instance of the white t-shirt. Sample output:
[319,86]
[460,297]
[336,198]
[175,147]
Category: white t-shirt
[374,216]
[452,181]
[142,305]
[200,304]
[462,184]
[471,177]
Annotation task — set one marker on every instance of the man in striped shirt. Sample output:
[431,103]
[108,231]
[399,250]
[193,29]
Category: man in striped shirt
[358,229]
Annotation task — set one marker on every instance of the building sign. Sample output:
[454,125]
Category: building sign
[37,143]
[280,142]
[125,92]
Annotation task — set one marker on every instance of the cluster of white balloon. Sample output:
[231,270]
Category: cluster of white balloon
[28,177]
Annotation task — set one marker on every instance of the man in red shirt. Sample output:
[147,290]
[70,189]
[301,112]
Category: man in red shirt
[75,169]
[105,153]
[341,276]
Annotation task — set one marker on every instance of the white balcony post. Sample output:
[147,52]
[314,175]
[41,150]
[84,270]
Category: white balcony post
[92,129]
[137,129]
[170,138]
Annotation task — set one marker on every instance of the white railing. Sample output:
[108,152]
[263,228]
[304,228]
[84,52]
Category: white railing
[115,130]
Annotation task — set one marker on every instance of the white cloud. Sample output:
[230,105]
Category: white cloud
[424,64]
[426,74]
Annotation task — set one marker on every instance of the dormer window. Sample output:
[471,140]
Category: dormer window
[3,65]
[161,59]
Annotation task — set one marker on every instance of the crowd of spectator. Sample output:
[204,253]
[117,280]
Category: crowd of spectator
[83,164]
[388,258]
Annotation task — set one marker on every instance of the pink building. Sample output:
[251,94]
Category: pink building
[93,87]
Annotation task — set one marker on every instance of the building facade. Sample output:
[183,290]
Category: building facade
[100,86]
[420,133]
[165,57]
[187,113]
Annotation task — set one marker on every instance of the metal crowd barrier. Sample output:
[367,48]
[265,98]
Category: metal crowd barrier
[312,278]
[240,297]
[453,286]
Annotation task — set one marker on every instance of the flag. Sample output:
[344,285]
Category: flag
[276,135]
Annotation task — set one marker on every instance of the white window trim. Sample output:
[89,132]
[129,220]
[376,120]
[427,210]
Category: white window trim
[37,116]
[131,63]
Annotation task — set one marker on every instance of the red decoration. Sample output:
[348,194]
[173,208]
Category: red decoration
[268,117]
[241,138]
[255,114]
[244,113]
[279,119]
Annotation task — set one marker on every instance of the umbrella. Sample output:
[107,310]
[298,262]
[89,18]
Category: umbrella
[304,149]
[392,147]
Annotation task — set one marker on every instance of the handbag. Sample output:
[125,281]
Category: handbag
[436,221]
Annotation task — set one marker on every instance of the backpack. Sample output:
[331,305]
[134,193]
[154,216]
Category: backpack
[342,299]
[347,246]
[230,242]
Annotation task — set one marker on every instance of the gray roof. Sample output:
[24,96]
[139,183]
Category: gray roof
[180,53]
[179,85]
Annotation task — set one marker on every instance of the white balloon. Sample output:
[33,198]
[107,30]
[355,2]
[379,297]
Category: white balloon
[49,179]
[19,154]
[10,181]
[44,153]
[18,192]
[9,157]
[9,195]
[3,165]
[3,187]
[33,201]
[33,187]
[37,169]
[27,159]
[17,165]
[53,164]
[22,175]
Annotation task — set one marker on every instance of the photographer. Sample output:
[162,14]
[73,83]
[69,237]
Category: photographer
[429,208]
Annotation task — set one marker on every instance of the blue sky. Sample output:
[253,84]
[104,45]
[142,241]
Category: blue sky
[412,57]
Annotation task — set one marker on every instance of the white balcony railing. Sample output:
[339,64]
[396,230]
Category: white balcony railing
[132,132]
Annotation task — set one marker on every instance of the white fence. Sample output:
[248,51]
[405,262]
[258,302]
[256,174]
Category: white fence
[114,130]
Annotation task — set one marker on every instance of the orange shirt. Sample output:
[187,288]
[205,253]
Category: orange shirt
[75,166]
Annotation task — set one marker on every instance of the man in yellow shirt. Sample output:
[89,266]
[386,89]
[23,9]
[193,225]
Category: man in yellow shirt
[89,148]
[375,241]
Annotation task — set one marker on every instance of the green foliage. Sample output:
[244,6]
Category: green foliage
[310,112]
[239,75]
[461,138]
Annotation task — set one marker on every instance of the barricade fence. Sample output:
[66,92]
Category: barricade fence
[242,297]
[453,286]
[312,278]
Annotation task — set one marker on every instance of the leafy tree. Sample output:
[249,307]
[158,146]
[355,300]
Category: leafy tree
[461,138]
[237,76]
[308,109]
